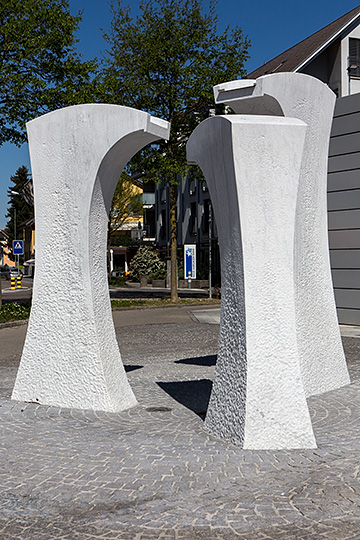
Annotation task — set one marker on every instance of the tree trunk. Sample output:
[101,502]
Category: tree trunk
[173,243]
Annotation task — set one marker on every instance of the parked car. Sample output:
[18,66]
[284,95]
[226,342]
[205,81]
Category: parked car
[5,271]
[14,272]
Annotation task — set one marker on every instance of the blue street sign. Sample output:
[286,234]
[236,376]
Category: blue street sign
[18,247]
[190,261]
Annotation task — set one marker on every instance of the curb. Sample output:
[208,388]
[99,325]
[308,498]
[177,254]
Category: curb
[195,304]
[21,322]
[13,323]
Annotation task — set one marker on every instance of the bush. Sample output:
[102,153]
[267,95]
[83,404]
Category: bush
[14,312]
[117,281]
[146,263]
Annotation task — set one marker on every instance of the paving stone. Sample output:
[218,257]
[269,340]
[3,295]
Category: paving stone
[152,472]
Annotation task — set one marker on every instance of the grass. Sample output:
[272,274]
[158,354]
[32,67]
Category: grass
[161,302]
[118,281]
[14,312]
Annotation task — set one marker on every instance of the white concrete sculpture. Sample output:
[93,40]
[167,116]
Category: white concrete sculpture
[71,357]
[296,95]
[252,165]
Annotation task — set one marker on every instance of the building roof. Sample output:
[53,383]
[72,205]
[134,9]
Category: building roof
[298,55]
[3,234]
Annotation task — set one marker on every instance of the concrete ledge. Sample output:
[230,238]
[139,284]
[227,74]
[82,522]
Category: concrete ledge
[195,284]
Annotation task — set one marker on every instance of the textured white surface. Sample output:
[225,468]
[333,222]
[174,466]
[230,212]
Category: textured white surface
[296,95]
[71,357]
[252,164]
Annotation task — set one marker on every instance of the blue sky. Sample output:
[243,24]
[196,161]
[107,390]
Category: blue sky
[272,26]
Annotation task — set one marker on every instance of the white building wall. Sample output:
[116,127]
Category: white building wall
[348,85]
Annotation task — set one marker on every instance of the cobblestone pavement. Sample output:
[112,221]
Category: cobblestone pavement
[152,472]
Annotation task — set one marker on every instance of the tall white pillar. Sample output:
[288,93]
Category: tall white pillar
[296,95]
[251,165]
[71,356]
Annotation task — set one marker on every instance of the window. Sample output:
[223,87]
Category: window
[163,194]
[192,187]
[354,57]
[192,220]
[206,215]
[162,232]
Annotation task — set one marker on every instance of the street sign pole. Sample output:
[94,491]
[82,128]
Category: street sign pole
[210,250]
[18,249]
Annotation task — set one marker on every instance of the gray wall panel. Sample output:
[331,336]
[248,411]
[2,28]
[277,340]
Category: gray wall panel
[344,163]
[349,316]
[344,239]
[344,180]
[346,124]
[344,207]
[345,258]
[344,200]
[347,105]
[346,279]
[346,219]
[345,144]
[346,298]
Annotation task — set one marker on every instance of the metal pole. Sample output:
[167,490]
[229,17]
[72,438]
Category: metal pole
[210,249]
[15,234]
[16,256]
[111,261]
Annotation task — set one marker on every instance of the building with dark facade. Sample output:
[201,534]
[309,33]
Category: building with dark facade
[196,225]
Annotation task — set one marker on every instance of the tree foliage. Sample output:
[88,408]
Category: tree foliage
[24,211]
[166,62]
[40,69]
[146,263]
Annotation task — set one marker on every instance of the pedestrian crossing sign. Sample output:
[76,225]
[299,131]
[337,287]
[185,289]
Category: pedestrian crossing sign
[18,247]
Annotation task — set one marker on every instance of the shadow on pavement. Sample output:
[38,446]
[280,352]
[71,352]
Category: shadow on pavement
[142,293]
[194,395]
[209,360]
[129,367]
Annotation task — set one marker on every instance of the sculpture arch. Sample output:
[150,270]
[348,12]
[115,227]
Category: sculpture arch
[71,357]
[266,170]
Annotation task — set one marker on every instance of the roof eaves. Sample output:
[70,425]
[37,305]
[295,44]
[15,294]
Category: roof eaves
[294,58]
[326,43]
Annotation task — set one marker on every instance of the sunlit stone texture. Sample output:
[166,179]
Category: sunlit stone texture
[71,357]
[322,360]
[252,165]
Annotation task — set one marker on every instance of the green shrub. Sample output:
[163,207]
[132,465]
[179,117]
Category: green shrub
[14,312]
[118,281]
[146,263]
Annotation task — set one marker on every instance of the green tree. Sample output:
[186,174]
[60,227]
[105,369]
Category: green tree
[40,70]
[146,263]
[126,202]
[166,62]
[19,208]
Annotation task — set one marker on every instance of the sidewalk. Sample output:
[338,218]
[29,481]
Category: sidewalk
[212,316]
[152,472]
